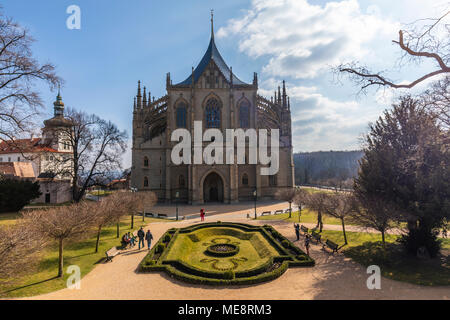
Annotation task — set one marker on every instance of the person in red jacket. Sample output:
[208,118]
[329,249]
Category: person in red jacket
[202,215]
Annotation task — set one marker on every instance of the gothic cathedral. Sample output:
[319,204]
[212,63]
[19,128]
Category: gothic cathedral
[213,94]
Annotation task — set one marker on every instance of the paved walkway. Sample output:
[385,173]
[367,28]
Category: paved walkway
[333,277]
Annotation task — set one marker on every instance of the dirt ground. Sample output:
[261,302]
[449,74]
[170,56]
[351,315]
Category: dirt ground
[333,277]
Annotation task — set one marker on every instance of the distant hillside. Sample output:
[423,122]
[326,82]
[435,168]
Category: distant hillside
[323,166]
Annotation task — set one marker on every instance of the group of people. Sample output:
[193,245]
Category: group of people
[129,240]
[307,237]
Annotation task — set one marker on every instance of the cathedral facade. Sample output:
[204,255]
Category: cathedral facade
[213,94]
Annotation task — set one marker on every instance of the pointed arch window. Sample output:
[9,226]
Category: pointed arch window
[244,114]
[273,180]
[212,113]
[145,182]
[146,162]
[181,181]
[181,112]
[245,179]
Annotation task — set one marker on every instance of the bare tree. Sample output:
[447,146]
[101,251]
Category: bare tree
[137,202]
[287,195]
[423,39]
[106,212]
[316,202]
[374,212]
[437,100]
[341,206]
[301,199]
[96,146]
[61,224]
[19,71]
[19,251]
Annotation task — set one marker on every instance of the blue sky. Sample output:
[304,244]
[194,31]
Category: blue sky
[121,42]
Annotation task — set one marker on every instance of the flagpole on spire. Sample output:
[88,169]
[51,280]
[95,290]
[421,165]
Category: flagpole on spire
[212,23]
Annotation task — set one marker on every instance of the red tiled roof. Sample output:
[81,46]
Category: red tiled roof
[24,146]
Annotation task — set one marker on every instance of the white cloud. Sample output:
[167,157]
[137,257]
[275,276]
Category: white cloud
[321,123]
[302,39]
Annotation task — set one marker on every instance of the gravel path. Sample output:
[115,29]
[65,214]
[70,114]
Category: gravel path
[333,277]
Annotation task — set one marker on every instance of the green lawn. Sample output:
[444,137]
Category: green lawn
[101,193]
[8,218]
[316,190]
[79,253]
[366,249]
[307,216]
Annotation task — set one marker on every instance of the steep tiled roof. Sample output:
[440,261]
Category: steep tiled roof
[212,54]
[24,146]
[17,169]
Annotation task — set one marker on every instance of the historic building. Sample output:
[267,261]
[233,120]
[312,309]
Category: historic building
[38,158]
[213,94]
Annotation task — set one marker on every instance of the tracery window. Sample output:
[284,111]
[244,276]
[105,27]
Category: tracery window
[146,162]
[212,113]
[181,115]
[244,114]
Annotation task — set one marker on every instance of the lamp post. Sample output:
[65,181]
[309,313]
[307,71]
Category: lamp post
[254,197]
[299,211]
[132,213]
[177,195]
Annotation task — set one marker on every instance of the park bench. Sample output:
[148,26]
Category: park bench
[149,214]
[304,229]
[330,244]
[162,215]
[287,210]
[317,236]
[266,213]
[111,253]
[278,212]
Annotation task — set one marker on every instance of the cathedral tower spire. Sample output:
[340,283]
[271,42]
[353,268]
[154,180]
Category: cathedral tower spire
[212,24]
[139,96]
[144,102]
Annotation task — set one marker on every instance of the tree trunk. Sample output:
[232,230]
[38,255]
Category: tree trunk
[319,221]
[60,259]
[290,210]
[98,239]
[132,220]
[343,230]
[118,230]
[382,239]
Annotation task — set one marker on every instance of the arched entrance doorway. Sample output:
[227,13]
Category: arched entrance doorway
[213,188]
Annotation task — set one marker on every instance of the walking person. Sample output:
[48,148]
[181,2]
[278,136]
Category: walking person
[307,240]
[141,236]
[297,230]
[202,215]
[149,238]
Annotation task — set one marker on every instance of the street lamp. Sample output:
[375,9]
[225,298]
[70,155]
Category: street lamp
[132,213]
[254,197]
[299,211]
[177,195]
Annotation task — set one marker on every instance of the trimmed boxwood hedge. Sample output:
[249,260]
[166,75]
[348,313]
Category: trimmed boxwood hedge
[289,256]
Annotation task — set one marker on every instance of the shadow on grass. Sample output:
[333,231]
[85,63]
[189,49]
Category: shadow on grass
[397,265]
[28,285]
